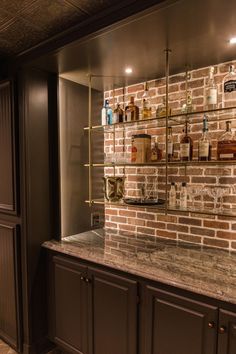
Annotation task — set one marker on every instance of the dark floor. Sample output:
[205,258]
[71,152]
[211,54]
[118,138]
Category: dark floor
[5,349]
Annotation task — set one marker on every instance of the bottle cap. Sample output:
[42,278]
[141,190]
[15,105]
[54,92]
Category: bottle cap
[172,183]
[184,184]
[231,68]
[106,101]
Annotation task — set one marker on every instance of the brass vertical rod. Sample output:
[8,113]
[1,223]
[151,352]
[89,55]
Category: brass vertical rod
[167,53]
[114,148]
[90,138]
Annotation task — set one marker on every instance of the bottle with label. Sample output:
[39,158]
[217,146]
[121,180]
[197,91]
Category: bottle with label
[226,147]
[204,145]
[118,114]
[131,111]
[161,109]
[170,147]
[186,145]
[229,88]
[156,152]
[188,106]
[106,114]
[146,107]
[172,195]
[211,91]
[183,196]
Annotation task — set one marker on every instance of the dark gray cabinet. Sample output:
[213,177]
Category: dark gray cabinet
[94,311]
[227,332]
[9,285]
[176,324]
[112,313]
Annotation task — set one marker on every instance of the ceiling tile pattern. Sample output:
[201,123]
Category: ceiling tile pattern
[25,23]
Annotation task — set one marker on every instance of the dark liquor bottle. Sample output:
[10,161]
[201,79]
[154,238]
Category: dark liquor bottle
[204,145]
[131,111]
[170,146]
[186,145]
[226,147]
[118,114]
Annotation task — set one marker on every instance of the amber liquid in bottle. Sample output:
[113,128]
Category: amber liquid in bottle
[131,111]
[186,146]
[226,147]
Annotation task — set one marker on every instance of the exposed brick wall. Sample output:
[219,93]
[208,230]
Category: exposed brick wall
[218,231]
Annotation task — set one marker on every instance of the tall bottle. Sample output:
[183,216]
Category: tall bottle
[131,111]
[146,109]
[161,109]
[204,145]
[156,152]
[170,146]
[211,91]
[183,196]
[106,114]
[118,114]
[186,145]
[226,147]
[172,195]
[229,88]
[188,107]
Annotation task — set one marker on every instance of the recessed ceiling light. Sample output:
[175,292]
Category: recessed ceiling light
[232,40]
[128,70]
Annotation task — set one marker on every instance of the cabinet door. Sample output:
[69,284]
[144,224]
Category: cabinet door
[227,333]
[70,305]
[9,285]
[177,325]
[7,157]
[113,314]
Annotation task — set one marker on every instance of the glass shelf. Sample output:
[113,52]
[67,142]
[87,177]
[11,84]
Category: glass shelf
[173,119]
[163,163]
[210,212]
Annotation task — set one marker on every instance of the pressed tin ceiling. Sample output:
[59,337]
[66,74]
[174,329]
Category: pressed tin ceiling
[25,23]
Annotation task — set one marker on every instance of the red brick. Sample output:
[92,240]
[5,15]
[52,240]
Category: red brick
[147,216]
[177,227]
[202,231]
[190,238]
[167,234]
[215,242]
[137,222]
[127,227]
[111,211]
[118,219]
[146,230]
[127,213]
[210,180]
[156,225]
[216,224]
[226,235]
[190,221]
[135,88]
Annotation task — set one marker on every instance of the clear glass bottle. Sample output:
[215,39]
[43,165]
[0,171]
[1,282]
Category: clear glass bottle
[172,195]
[229,88]
[211,94]
[170,146]
[226,147]
[146,106]
[104,113]
[204,145]
[131,111]
[188,106]
[161,109]
[118,114]
[183,196]
[186,145]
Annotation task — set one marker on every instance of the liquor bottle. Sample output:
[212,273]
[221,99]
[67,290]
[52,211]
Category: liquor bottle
[211,91]
[183,196]
[186,145]
[156,152]
[229,88]
[118,114]
[131,111]
[188,106]
[170,146]
[161,109]
[226,147]
[146,107]
[106,113]
[172,195]
[204,145]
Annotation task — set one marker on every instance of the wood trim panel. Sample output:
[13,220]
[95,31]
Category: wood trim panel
[8,193]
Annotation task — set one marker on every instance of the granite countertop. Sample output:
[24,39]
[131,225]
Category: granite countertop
[203,270]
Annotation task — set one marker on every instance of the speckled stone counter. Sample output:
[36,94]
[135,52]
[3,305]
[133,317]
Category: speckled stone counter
[203,270]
